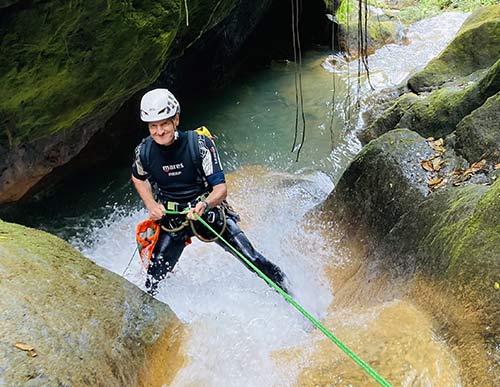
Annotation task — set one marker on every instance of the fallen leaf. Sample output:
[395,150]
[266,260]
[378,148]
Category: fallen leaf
[459,171]
[438,145]
[427,165]
[430,139]
[459,182]
[435,181]
[497,166]
[437,163]
[478,166]
[433,164]
[24,346]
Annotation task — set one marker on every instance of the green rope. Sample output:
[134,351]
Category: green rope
[370,371]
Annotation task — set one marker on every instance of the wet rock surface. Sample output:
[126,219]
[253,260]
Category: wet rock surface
[67,322]
[436,215]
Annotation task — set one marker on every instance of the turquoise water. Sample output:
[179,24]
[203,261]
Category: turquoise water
[254,118]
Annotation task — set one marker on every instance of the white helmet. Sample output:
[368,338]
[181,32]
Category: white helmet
[158,104]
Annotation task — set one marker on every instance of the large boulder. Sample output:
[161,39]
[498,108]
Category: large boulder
[464,55]
[453,234]
[478,134]
[449,237]
[389,118]
[384,180]
[86,326]
[438,113]
[378,28]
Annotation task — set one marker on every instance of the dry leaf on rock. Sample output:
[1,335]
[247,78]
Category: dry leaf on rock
[459,171]
[478,166]
[437,163]
[497,166]
[32,353]
[23,346]
[435,181]
[433,164]
[427,165]
[438,145]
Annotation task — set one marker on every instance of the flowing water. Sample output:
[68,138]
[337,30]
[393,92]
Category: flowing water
[242,333]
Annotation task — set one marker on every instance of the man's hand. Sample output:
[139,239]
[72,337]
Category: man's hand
[199,209]
[156,210]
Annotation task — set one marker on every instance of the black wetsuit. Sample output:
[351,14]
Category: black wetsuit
[176,176]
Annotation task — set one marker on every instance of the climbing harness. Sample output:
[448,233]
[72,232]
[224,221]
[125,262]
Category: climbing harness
[370,371]
[216,217]
[174,221]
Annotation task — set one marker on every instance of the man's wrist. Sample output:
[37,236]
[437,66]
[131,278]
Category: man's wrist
[207,206]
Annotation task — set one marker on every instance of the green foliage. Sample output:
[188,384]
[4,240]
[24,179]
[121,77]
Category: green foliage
[345,11]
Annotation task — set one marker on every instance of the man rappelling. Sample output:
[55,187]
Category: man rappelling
[178,176]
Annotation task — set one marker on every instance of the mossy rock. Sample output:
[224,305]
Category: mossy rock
[472,241]
[84,59]
[383,182]
[478,134]
[80,60]
[389,119]
[464,55]
[452,239]
[439,113]
[88,326]
[381,30]
[379,34]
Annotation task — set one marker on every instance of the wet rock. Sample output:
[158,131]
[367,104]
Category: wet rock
[464,56]
[389,119]
[383,182]
[450,236]
[87,326]
[453,238]
[381,29]
[478,134]
[438,113]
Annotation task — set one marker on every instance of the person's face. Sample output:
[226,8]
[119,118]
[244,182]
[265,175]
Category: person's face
[163,131]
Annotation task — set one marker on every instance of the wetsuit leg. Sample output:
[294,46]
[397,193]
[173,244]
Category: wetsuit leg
[237,238]
[167,252]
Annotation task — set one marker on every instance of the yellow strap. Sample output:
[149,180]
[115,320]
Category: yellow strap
[204,130]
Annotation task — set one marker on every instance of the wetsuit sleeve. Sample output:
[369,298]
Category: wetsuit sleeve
[210,162]
[138,170]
